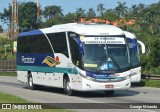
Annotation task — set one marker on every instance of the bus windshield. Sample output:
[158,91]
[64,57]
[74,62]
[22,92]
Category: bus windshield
[105,57]
[134,52]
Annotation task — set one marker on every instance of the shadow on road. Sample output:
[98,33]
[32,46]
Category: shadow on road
[138,84]
[118,93]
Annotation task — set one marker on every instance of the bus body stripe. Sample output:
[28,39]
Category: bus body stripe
[47,69]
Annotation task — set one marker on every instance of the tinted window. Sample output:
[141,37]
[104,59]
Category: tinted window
[59,43]
[22,44]
[34,44]
[39,44]
[75,54]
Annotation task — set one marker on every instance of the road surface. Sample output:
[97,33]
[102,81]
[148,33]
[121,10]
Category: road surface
[132,96]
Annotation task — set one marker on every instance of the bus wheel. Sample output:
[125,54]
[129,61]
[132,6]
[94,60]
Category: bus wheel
[109,93]
[30,83]
[67,87]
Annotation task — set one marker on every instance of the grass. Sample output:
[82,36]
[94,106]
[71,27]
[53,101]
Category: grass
[6,98]
[148,83]
[8,74]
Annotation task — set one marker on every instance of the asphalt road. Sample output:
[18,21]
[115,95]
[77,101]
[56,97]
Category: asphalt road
[134,95]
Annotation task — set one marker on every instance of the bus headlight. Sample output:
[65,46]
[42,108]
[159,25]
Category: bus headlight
[135,72]
[89,78]
[127,77]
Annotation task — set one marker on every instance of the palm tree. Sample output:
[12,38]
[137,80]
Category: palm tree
[121,9]
[80,13]
[101,9]
[91,13]
[141,6]
[51,11]
[110,15]
[69,18]
[134,11]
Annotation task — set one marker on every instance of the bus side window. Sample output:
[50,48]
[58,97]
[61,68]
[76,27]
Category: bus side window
[39,44]
[75,53]
[59,42]
[22,44]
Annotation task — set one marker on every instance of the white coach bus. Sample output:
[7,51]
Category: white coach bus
[76,57]
[135,56]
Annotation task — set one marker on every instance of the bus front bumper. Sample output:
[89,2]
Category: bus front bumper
[89,85]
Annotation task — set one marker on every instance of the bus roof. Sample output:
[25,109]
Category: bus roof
[82,29]
[89,29]
[34,32]
[129,35]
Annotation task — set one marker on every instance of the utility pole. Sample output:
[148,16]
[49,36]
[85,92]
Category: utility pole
[14,24]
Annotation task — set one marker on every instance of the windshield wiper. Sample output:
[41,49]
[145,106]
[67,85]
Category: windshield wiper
[115,63]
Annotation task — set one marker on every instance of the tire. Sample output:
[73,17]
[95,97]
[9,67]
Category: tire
[30,83]
[67,88]
[109,93]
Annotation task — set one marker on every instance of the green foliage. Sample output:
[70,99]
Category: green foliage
[121,9]
[8,74]
[27,15]
[111,15]
[9,49]
[7,98]
[53,21]
[1,29]
[70,18]
[148,83]
[52,11]
[6,15]
[90,13]
[101,9]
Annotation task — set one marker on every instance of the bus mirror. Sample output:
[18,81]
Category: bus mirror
[142,46]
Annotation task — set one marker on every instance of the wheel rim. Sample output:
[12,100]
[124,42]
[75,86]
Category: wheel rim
[30,81]
[68,86]
[68,89]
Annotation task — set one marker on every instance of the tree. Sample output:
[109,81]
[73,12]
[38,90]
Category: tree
[101,9]
[27,13]
[80,13]
[91,13]
[52,11]
[133,11]
[1,29]
[6,16]
[53,21]
[27,16]
[110,15]
[121,9]
[69,18]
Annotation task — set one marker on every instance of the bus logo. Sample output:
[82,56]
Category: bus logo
[51,61]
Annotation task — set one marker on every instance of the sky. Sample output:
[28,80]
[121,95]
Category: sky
[72,5]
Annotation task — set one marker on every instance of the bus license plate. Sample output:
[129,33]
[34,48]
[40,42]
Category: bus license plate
[109,86]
